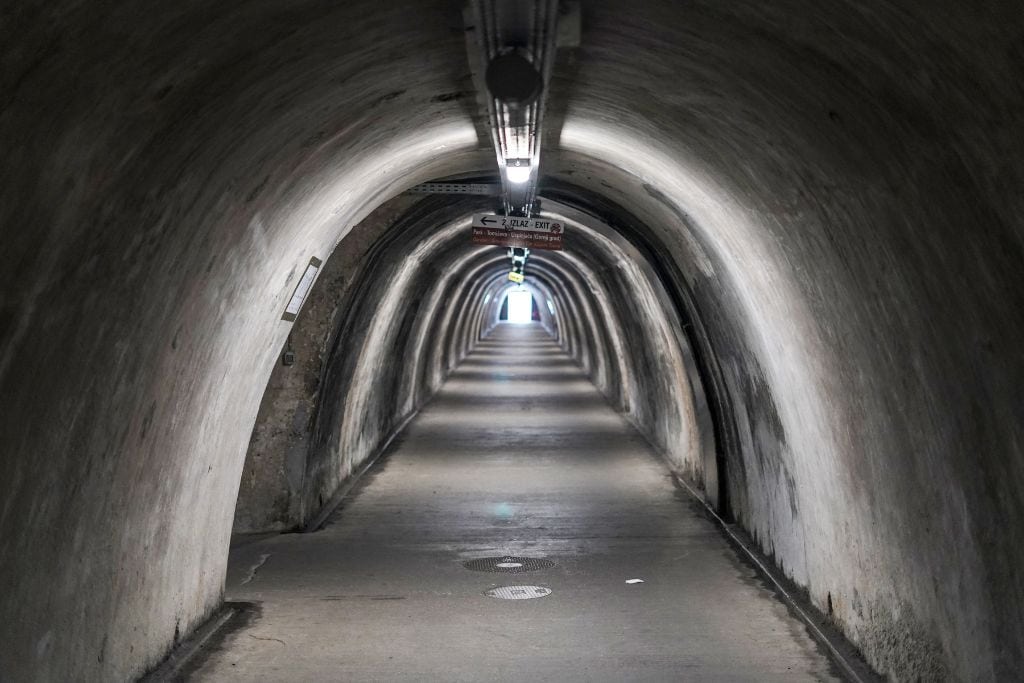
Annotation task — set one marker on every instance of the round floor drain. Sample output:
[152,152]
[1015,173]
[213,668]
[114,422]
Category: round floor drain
[508,565]
[518,592]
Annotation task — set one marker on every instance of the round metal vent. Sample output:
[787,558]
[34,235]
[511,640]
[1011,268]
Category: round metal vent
[507,564]
[518,592]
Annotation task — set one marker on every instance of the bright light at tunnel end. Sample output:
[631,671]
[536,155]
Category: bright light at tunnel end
[517,174]
[520,306]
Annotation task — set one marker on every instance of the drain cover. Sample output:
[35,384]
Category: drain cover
[508,565]
[518,592]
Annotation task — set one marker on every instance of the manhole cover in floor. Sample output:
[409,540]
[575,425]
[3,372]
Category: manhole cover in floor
[518,592]
[508,565]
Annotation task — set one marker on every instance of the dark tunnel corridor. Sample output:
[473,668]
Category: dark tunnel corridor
[517,455]
[250,323]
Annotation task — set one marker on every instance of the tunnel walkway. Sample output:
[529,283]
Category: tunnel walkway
[517,455]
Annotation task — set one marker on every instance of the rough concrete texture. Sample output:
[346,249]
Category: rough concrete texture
[366,396]
[827,194]
[517,455]
[270,495]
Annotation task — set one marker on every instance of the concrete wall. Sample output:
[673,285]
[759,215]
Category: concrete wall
[825,195]
[401,301]
[270,494]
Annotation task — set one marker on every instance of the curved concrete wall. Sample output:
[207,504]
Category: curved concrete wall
[388,320]
[826,194]
[273,495]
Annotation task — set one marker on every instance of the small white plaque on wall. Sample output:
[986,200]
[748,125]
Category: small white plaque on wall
[302,290]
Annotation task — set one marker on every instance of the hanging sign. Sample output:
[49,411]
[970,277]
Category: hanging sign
[515,231]
[516,277]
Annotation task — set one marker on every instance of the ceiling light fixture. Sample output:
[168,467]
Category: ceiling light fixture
[517,171]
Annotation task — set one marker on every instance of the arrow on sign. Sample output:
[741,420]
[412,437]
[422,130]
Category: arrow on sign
[486,221]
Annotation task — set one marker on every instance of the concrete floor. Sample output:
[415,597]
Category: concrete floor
[518,454]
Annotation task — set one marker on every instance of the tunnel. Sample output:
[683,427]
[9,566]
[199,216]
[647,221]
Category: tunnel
[781,339]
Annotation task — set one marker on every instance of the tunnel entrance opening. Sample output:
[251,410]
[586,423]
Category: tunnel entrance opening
[520,307]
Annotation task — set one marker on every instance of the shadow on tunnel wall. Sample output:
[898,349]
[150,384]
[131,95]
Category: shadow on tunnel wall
[373,343]
[400,303]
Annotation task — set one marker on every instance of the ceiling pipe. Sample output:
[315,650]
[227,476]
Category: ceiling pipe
[511,47]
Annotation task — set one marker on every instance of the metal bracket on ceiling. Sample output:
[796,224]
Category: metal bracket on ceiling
[454,187]
[511,46]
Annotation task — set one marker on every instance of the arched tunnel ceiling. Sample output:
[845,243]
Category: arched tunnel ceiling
[827,194]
